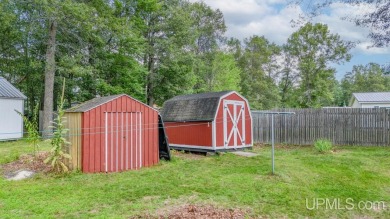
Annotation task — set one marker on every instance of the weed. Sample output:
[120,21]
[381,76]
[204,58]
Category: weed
[323,145]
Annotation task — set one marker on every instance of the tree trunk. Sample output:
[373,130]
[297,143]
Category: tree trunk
[49,81]
[150,84]
[149,91]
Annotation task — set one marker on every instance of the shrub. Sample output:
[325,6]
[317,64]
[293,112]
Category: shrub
[57,155]
[323,145]
[32,129]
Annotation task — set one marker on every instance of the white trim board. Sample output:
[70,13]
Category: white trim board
[235,117]
[232,147]
[214,133]
[224,96]
[207,147]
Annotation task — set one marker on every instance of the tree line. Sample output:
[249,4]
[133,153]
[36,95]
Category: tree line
[156,49]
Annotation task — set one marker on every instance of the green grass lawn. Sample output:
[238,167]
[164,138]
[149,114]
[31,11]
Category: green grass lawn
[11,150]
[360,174]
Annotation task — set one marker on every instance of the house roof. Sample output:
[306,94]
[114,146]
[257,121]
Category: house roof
[193,107]
[8,91]
[372,97]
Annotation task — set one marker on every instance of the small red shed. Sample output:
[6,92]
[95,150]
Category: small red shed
[216,121]
[112,134]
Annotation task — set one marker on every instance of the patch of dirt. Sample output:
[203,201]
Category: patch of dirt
[150,198]
[335,150]
[94,211]
[188,155]
[191,211]
[28,162]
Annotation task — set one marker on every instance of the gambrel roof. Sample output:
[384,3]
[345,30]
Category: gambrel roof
[193,107]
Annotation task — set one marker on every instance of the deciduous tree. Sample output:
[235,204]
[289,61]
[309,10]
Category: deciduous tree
[377,19]
[368,78]
[316,49]
[225,74]
[257,83]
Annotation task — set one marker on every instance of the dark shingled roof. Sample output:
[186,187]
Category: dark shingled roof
[7,90]
[90,104]
[193,107]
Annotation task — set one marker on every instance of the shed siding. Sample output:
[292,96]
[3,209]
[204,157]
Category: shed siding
[11,124]
[102,137]
[119,153]
[73,124]
[356,104]
[189,133]
[373,105]
[219,121]
[199,135]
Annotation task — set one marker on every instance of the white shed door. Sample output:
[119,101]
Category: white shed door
[233,123]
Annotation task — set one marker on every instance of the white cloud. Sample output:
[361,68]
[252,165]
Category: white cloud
[241,12]
[365,47]
[275,27]
[242,7]
[347,29]
[245,18]
[271,18]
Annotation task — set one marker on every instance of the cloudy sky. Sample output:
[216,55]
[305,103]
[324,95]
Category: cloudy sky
[272,18]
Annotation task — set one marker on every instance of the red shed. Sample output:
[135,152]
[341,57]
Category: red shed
[214,121]
[113,133]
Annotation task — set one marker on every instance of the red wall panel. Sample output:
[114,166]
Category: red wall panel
[189,133]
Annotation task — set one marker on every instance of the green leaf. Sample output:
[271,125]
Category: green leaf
[47,160]
[64,167]
[54,161]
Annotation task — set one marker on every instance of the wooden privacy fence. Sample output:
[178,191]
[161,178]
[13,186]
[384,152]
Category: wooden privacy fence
[343,126]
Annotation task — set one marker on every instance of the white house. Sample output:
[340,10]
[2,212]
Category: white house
[11,99]
[370,100]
